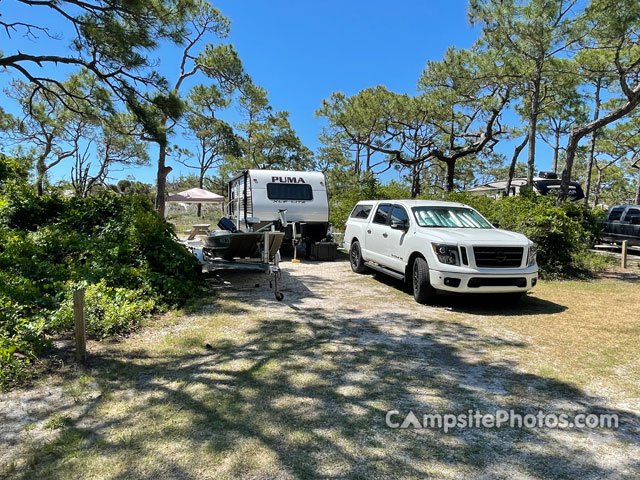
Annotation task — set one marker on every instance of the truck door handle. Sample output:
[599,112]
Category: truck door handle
[368,231]
[385,235]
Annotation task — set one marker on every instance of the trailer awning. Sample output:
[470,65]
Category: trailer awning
[196,195]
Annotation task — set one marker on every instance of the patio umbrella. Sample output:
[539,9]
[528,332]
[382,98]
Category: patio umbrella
[196,195]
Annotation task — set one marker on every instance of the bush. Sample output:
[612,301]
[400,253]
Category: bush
[108,310]
[120,240]
[21,340]
[116,245]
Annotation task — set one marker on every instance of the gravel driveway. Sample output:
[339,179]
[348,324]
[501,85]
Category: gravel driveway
[247,387]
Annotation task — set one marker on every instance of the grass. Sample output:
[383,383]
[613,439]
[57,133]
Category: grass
[57,422]
[589,344]
[238,389]
[78,388]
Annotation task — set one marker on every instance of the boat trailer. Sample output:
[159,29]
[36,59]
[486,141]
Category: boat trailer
[268,245]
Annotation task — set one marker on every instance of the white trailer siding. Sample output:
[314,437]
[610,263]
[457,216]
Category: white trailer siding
[302,194]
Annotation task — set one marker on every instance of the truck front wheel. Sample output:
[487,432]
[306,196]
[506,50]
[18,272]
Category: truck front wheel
[355,258]
[423,292]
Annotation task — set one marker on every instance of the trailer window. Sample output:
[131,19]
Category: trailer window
[361,211]
[289,191]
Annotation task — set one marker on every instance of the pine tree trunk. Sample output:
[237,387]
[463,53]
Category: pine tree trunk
[451,169]
[637,200]
[415,181]
[41,169]
[200,185]
[592,146]
[556,151]
[40,173]
[572,145]
[596,190]
[161,180]
[578,133]
[512,167]
[356,164]
[533,125]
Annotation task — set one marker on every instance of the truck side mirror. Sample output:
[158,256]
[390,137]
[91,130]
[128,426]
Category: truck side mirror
[635,220]
[399,224]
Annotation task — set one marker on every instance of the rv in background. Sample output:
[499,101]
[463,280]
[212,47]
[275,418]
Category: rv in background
[544,183]
[295,200]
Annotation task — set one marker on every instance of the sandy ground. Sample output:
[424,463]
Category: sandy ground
[387,353]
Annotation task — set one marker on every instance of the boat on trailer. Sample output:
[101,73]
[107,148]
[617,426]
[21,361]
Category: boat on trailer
[230,249]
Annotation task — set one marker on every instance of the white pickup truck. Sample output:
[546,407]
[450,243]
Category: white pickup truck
[439,246]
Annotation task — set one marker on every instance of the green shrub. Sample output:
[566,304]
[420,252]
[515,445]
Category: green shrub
[22,209]
[117,245]
[13,171]
[118,239]
[21,340]
[108,310]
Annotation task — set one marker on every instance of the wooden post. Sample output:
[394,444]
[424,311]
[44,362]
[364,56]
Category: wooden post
[624,253]
[81,334]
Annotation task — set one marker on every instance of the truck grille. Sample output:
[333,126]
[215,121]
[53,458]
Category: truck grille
[498,257]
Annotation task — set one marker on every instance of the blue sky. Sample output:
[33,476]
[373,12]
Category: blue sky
[302,51]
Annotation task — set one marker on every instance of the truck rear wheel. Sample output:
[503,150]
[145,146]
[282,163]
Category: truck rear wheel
[423,292]
[355,258]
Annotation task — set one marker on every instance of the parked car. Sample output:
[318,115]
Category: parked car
[622,223]
[544,184]
[439,246]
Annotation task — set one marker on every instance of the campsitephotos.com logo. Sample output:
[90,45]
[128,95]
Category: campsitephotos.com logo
[499,419]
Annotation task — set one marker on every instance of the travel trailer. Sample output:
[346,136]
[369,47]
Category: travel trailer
[297,200]
[544,183]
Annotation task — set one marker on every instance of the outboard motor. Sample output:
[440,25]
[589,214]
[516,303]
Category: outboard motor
[227,224]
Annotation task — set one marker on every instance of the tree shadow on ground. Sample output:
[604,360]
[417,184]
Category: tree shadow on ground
[311,390]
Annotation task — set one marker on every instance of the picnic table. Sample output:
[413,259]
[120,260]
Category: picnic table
[199,229]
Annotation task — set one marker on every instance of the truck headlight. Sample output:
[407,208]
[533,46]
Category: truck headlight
[533,255]
[447,254]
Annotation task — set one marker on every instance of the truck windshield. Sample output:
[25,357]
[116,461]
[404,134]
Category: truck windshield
[449,217]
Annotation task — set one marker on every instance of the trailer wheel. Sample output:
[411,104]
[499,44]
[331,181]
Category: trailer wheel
[355,258]
[279,296]
[423,292]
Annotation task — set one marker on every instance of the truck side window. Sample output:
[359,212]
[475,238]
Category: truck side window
[382,213]
[615,214]
[361,211]
[632,213]
[398,214]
